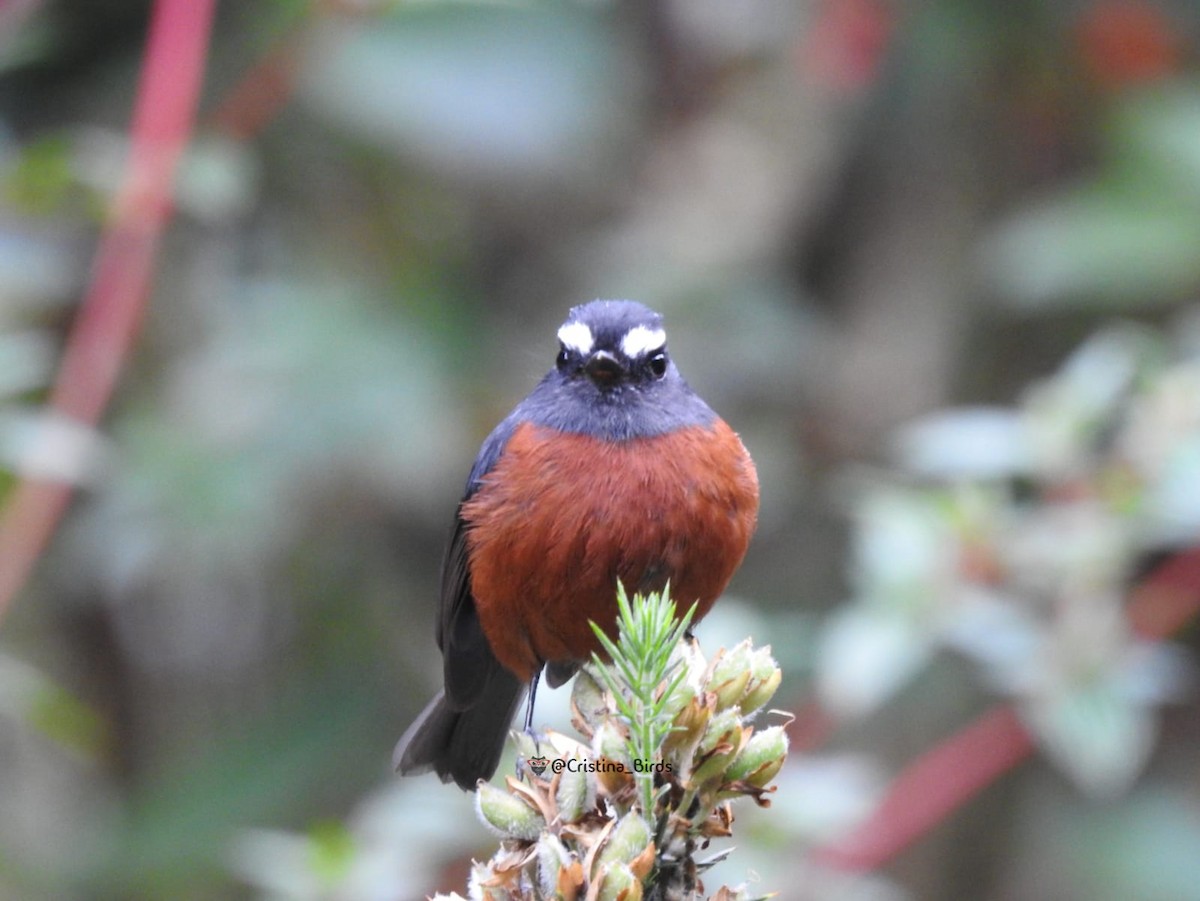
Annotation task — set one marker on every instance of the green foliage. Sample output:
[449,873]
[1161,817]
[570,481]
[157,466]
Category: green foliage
[641,662]
[668,746]
[63,718]
[333,850]
[43,177]
[1123,238]
[493,90]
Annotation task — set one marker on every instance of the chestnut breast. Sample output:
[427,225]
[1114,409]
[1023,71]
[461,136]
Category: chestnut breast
[561,517]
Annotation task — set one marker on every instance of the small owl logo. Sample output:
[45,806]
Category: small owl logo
[538,764]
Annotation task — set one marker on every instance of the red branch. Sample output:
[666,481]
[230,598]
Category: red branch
[933,786]
[263,92]
[1168,597]
[266,89]
[111,310]
[810,728]
[947,776]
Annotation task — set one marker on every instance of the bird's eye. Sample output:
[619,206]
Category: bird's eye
[562,359]
[658,363]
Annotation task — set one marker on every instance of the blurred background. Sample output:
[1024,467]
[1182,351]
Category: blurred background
[935,260]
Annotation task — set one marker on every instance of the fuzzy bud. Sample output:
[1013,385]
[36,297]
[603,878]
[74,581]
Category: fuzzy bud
[589,698]
[718,746]
[560,874]
[610,745]
[610,741]
[507,815]
[617,883]
[482,885]
[626,842]
[552,856]
[576,794]
[765,677]
[683,695]
[730,676]
[761,759]
[689,724]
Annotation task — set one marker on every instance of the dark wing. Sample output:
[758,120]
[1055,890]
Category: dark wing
[467,659]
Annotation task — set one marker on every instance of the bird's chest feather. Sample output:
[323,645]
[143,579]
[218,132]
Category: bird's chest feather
[562,517]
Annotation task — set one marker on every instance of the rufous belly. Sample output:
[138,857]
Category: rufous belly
[561,517]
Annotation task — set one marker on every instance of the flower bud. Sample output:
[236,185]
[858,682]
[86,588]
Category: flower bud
[560,874]
[507,815]
[552,856]
[731,674]
[626,842]
[761,759]
[483,884]
[718,746]
[589,698]
[611,742]
[765,677]
[617,883]
[689,724]
[576,793]
[683,694]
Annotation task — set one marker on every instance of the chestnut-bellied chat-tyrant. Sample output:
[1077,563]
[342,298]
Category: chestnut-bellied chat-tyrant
[611,469]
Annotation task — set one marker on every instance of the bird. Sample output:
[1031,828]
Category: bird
[611,470]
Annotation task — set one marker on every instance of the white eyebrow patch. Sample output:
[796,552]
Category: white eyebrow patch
[577,336]
[639,339]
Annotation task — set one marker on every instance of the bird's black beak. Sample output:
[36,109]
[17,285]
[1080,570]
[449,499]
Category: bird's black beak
[603,369]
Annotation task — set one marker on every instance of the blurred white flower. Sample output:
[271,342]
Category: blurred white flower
[1018,546]
[967,443]
[392,846]
[1066,415]
[47,445]
[865,655]
[1066,548]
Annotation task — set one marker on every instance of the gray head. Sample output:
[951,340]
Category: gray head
[613,377]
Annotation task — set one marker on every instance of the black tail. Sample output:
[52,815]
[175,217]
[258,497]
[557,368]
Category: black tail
[463,745]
